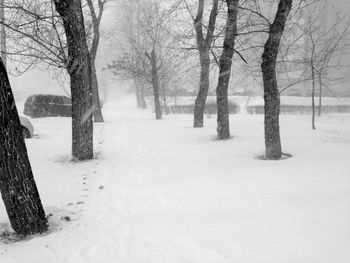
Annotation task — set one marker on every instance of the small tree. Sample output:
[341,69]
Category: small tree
[129,34]
[325,42]
[17,185]
[154,58]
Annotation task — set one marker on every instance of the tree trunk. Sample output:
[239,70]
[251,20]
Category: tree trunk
[175,98]
[313,96]
[166,110]
[142,97]
[204,44]
[225,63]
[201,99]
[320,98]
[271,92]
[140,94]
[137,92]
[79,69]
[143,103]
[17,185]
[155,82]
[98,116]
[96,20]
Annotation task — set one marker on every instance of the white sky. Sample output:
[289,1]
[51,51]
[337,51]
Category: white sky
[36,81]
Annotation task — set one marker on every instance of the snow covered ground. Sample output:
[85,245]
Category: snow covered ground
[161,191]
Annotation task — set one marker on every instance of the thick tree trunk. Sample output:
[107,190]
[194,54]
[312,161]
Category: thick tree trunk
[201,99]
[271,92]
[79,69]
[17,185]
[223,124]
[155,82]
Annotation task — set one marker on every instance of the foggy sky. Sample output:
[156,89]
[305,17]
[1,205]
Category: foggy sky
[37,81]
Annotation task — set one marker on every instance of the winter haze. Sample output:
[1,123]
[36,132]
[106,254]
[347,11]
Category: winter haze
[174,131]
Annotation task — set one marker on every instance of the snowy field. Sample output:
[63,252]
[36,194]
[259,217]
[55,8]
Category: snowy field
[163,192]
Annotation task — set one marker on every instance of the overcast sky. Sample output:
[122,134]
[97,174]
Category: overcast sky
[37,81]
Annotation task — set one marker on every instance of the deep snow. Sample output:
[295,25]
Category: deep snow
[161,191]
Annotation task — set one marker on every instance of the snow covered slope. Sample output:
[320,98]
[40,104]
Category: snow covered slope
[161,191]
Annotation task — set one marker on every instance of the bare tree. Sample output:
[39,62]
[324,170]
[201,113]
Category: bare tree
[96,21]
[166,65]
[79,69]
[36,37]
[35,34]
[155,83]
[326,42]
[271,92]
[17,185]
[140,89]
[204,44]
[223,124]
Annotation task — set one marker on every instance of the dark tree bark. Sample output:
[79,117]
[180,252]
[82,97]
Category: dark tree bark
[204,44]
[79,69]
[225,63]
[155,83]
[199,105]
[17,185]
[96,20]
[271,92]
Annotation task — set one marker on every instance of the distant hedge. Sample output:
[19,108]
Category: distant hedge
[300,109]
[210,108]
